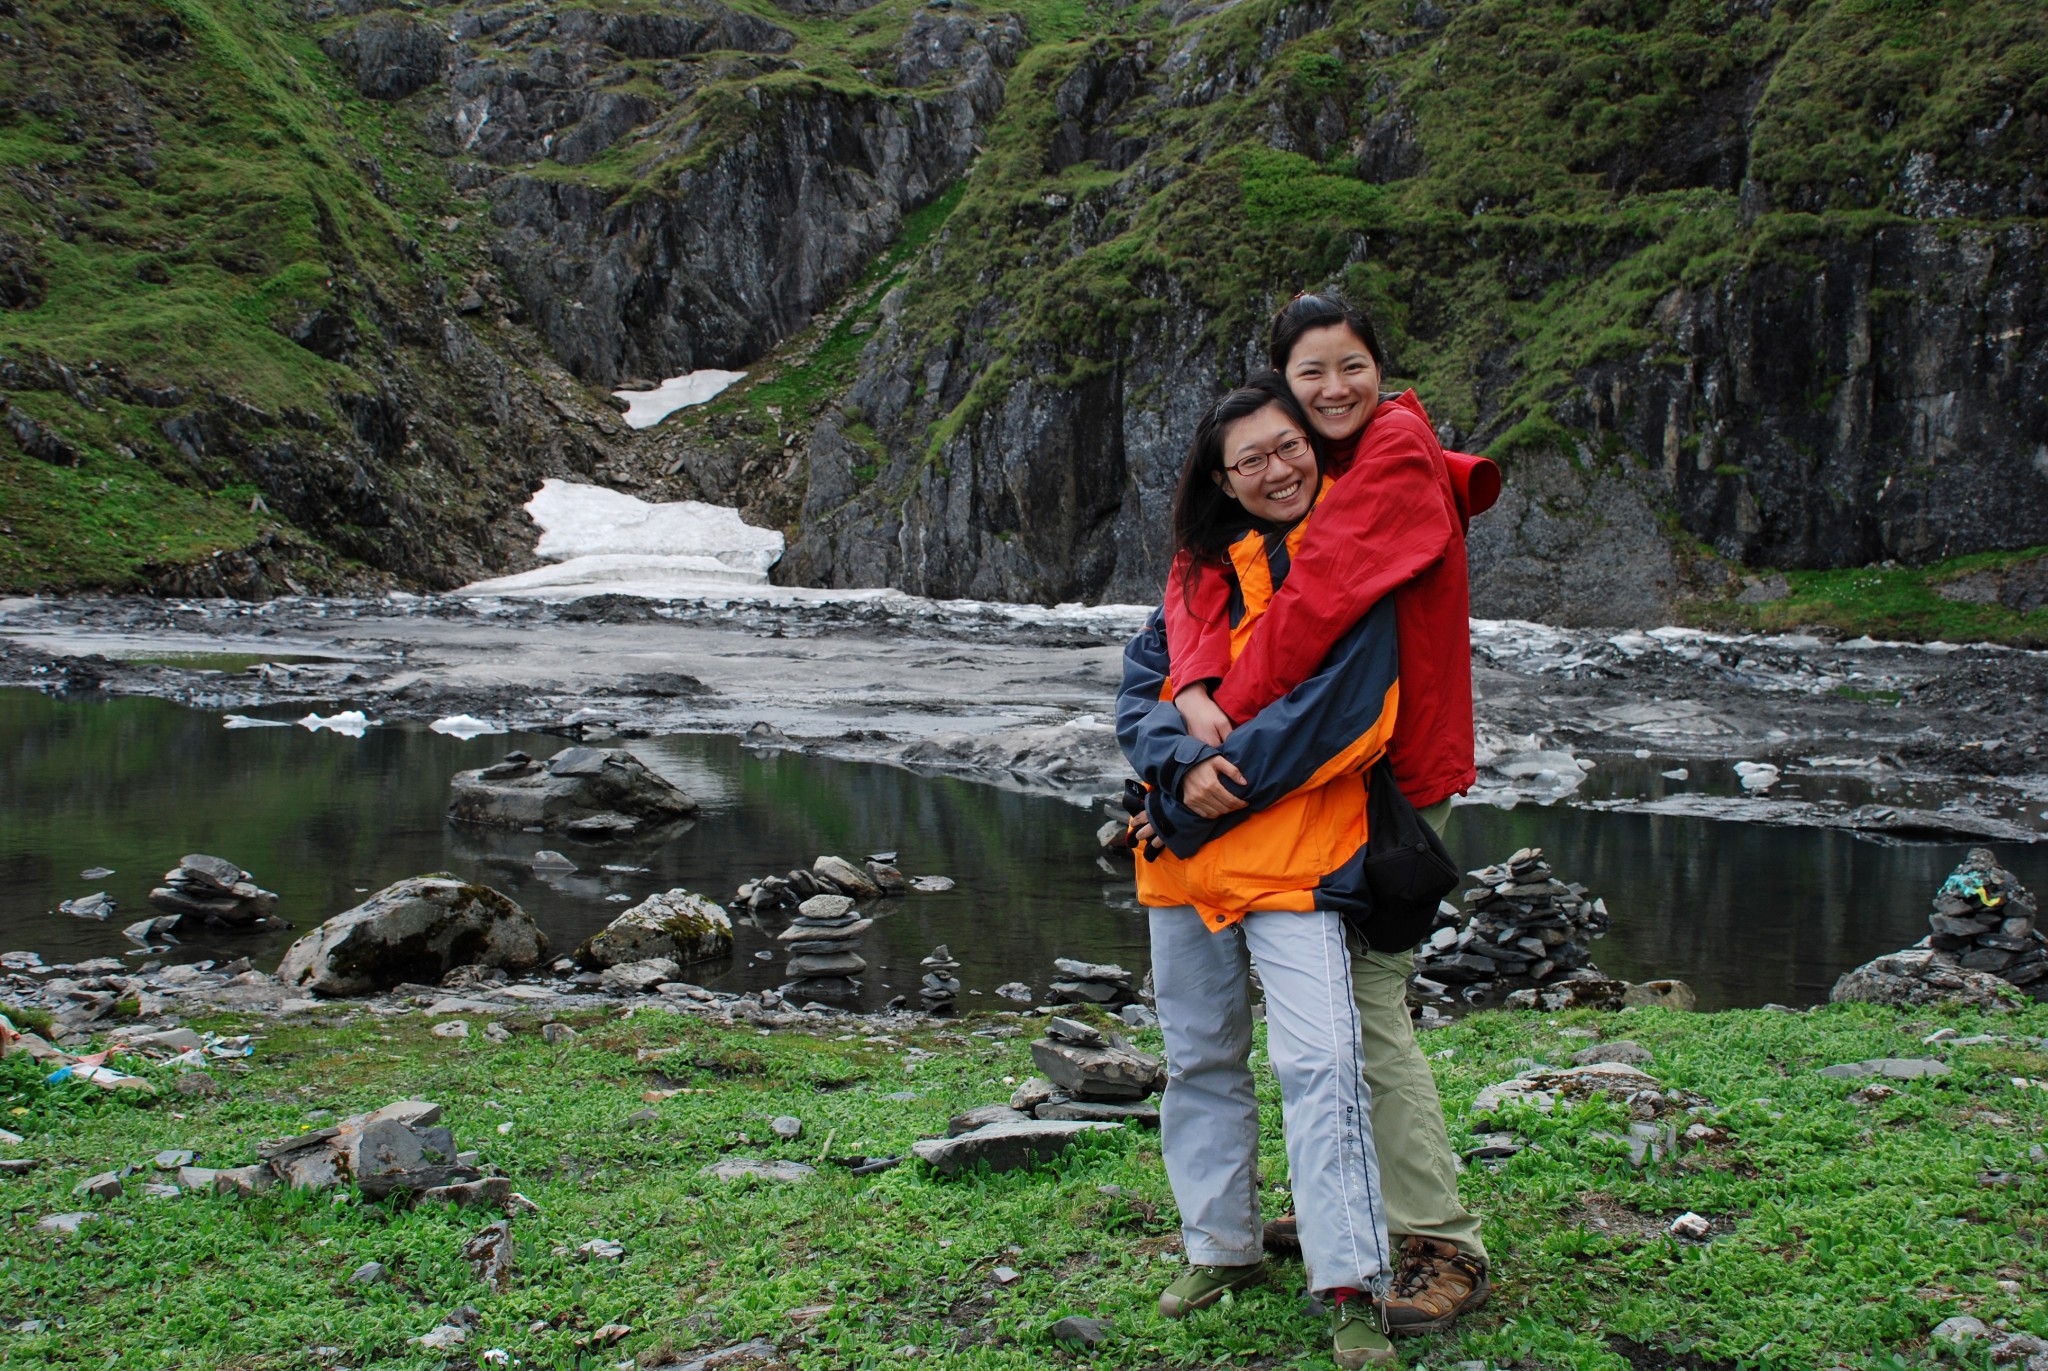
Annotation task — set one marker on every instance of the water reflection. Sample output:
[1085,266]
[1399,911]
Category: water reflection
[1745,913]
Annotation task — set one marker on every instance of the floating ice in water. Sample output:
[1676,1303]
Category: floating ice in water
[1757,776]
[608,540]
[1677,773]
[646,408]
[245,721]
[350,723]
[465,726]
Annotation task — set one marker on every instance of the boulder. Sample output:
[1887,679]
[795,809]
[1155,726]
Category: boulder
[1005,1146]
[637,978]
[1920,976]
[844,875]
[677,925]
[416,930]
[593,792]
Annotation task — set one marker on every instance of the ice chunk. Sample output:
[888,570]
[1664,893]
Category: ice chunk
[465,726]
[350,723]
[646,408]
[246,721]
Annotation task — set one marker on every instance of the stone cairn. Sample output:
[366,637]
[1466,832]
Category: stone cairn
[208,890]
[1983,918]
[827,876]
[1090,1075]
[1526,926]
[941,984]
[823,943]
[1098,983]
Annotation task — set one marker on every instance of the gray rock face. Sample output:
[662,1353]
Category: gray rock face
[415,930]
[1004,1146]
[390,55]
[582,790]
[753,238]
[677,925]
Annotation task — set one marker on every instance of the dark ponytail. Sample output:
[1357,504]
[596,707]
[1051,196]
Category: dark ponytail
[1305,312]
[1206,521]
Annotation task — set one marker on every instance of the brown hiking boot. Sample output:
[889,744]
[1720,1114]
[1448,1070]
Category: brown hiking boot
[1436,1283]
[1283,1239]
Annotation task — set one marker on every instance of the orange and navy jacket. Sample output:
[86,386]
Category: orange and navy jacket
[1300,843]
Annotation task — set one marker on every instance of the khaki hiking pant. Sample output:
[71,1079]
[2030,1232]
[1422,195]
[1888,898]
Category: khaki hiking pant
[1418,1175]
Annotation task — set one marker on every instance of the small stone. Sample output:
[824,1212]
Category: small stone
[490,1255]
[1015,991]
[497,1033]
[787,1127]
[981,1116]
[244,1181]
[65,1223]
[931,885]
[171,1161]
[453,1028]
[1083,1331]
[1959,1331]
[369,1273]
[489,1193]
[1005,1275]
[1623,1051]
[1138,1016]
[1003,1146]
[160,1191]
[1073,1031]
[105,1186]
[1691,1225]
[19,1166]
[602,1250]
[557,1033]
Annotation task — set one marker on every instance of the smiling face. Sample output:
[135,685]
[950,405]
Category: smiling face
[1332,373]
[1284,488]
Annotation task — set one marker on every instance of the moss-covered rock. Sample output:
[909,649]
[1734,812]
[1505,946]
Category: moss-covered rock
[677,925]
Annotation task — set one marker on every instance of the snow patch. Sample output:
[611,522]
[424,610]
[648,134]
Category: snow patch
[646,408]
[605,540]
[350,723]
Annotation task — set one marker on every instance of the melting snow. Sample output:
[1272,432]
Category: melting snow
[605,540]
[350,723]
[646,408]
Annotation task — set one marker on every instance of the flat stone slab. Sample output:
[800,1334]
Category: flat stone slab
[1107,1072]
[733,1168]
[1543,1089]
[1888,1068]
[1108,1111]
[1005,1146]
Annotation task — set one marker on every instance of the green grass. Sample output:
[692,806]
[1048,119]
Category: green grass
[1896,602]
[1844,1232]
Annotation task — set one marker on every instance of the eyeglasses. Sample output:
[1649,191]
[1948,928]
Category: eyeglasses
[1292,450]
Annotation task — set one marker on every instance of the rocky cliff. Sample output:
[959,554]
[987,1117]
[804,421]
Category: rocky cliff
[1755,285]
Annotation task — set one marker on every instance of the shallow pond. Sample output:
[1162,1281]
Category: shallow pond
[1745,913]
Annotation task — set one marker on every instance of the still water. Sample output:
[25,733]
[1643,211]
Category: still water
[1744,913]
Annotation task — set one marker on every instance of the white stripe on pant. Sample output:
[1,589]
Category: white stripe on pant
[1210,1116]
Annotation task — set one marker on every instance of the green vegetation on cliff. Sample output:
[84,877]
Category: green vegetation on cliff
[201,217]
[1845,1226]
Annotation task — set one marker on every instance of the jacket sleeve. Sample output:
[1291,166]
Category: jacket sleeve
[1333,724]
[1154,739]
[1197,625]
[1385,521]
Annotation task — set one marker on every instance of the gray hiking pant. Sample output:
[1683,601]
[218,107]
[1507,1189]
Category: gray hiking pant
[1210,1115]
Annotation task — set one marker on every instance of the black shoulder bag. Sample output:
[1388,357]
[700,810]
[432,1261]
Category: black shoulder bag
[1408,870]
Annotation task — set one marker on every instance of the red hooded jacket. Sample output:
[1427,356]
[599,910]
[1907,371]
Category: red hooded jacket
[1393,521]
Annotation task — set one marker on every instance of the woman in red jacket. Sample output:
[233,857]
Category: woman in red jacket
[1392,524]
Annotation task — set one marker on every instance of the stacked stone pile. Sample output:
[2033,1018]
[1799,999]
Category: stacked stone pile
[1090,1075]
[941,984]
[1099,983]
[589,793]
[1526,925]
[212,891]
[1983,940]
[823,943]
[828,875]
[1984,918]
[398,1150]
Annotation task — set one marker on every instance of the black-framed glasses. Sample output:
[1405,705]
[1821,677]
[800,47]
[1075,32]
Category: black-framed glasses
[1291,450]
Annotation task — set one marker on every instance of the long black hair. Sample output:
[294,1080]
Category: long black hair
[1206,521]
[1305,312]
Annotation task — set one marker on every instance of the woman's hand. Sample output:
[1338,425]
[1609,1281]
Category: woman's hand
[1202,788]
[1143,839]
[1203,716]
